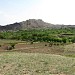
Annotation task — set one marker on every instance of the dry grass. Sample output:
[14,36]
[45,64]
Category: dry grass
[36,59]
[17,63]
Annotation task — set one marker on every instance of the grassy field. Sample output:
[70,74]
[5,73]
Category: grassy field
[18,63]
[37,59]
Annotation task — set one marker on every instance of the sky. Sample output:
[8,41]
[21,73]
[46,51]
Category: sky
[51,11]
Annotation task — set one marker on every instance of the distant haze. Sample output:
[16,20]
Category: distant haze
[51,11]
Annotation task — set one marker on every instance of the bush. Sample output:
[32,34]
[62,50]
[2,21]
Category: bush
[64,40]
[13,45]
[54,44]
[0,45]
[73,40]
[50,44]
[45,44]
[31,42]
[58,44]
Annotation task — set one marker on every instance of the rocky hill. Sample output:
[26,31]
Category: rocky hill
[31,24]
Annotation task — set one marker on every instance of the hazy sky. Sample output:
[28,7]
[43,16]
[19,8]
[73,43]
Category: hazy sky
[52,11]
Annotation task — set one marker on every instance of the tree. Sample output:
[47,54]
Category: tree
[64,40]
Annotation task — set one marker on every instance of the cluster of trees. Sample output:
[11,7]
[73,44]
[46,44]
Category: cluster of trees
[46,35]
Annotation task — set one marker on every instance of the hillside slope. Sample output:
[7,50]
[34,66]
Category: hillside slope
[31,24]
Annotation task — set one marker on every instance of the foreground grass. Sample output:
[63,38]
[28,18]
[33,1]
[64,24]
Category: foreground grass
[14,63]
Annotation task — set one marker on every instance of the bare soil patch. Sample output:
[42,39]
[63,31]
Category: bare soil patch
[35,48]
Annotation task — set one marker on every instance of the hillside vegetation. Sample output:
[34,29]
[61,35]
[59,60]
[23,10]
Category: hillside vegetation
[66,35]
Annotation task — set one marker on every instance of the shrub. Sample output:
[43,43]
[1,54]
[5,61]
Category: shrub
[45,44]
[0,45]
[64,40]
[13,45]
[31,42]
[54,44]
[50,44]
[57,44]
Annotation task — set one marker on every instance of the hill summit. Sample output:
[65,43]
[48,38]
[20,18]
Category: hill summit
[28,24]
